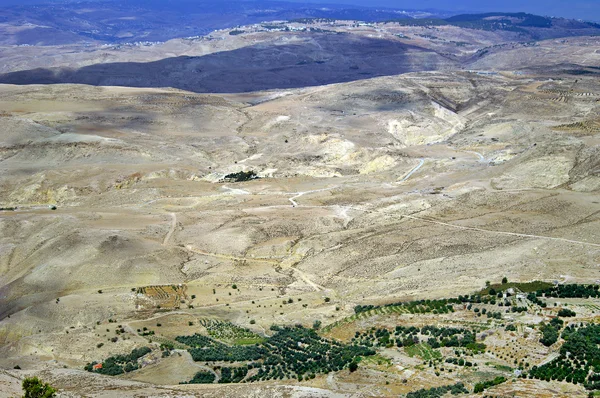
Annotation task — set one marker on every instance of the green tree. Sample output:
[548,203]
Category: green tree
[35,388]
[353,366]
[504,280]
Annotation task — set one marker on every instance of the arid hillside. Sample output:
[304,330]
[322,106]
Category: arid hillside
[259,219]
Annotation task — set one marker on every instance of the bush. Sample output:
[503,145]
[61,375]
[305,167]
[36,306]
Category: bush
[565,312]
[549,335]
[241,177]
[35,388]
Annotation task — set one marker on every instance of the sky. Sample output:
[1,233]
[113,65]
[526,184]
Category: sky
[588,10]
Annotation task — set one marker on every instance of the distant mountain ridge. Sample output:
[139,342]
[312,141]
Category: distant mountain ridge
[503,21]
[155,20]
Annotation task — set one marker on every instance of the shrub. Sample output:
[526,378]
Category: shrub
[241,176]
[565,312]
[549,335]
[35,388]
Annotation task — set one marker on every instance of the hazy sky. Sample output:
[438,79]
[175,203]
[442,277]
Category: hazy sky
[583,9]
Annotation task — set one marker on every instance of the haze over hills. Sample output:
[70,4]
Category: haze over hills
[308,52]
[156,20]
[297,204]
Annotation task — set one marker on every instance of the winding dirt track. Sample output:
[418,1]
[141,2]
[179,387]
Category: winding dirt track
[413,171]
[503,232]
[171,230]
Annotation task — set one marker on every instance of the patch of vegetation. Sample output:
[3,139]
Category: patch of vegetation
[571,291]
[565,312]
[233,375]
[241,176]
[119,364]
[230,333]
[533,297]
[236,32]
[503,368]
[422,350]
[202,378]
[438,392]
[35,388]
[459,362]
[525,287]
[579,359]
[550,332]
[476,348]
[407,336]
[480,387]
[292,352]
[207,349]
[377,360]
[442,306]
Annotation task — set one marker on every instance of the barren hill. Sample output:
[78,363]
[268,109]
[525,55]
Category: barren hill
[260,212]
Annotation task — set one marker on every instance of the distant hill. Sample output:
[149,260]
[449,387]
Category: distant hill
[530,26]
[157,20]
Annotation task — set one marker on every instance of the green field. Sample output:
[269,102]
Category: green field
[423,350]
